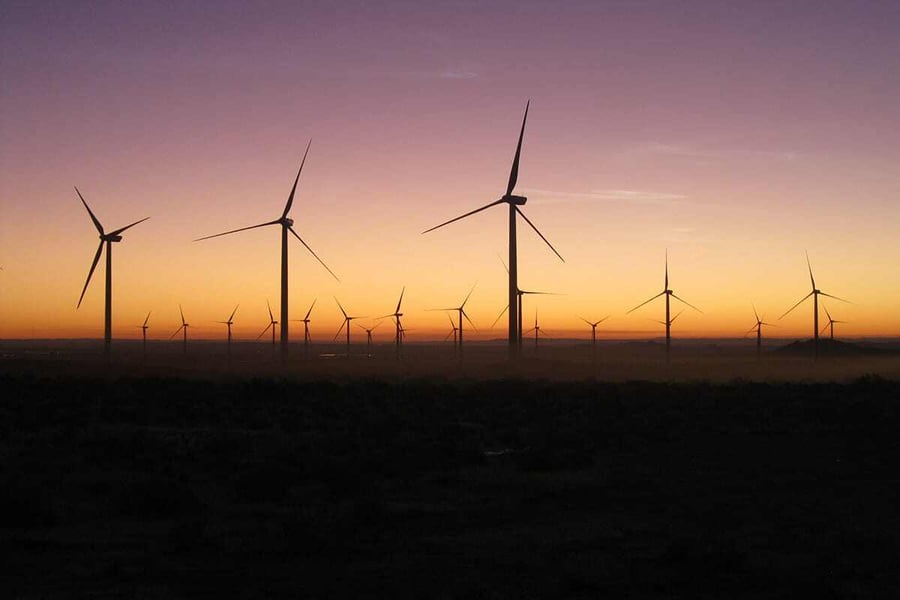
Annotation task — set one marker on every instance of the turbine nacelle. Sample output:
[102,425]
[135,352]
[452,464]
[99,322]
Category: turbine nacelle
[515,200]
[286,221]
[111,238]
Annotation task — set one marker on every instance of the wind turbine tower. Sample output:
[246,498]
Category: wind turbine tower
[144,328]
[461,312]
[346,323]
[815,293]
[594,334]
[106,239]
[514,202]
[183,328]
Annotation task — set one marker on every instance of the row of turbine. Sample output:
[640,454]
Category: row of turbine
[514,203]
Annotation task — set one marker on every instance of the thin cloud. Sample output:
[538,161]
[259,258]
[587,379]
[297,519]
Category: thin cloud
[623,196]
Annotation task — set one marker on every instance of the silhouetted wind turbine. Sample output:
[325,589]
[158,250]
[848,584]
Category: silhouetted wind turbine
[107,239]
[594,333]
[306,337]
[815,293]
[831,322]
[519,294]
[272,324]
[144,328]
[396,315]
[184,328]
[287,225]
[229,322]
[668,322]
[514,203]
[369,331]
[758,329]
[461,310]
[453,331]
[537,331]
[346,324]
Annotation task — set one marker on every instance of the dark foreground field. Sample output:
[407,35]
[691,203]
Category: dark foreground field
[180,488]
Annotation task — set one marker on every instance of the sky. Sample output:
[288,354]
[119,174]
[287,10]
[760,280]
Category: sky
[734,136]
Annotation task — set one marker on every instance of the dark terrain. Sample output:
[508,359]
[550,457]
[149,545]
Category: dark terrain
[453,488]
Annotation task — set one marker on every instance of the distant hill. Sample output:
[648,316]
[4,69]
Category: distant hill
[829,347]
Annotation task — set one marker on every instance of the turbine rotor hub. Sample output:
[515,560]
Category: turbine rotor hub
[516,200]
[111,238]
[287,222]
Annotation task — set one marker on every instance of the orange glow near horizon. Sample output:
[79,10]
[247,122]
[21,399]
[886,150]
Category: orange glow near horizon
[646,135]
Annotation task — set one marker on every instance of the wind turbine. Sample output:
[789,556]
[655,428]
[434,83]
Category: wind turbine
[287,225]
[594,333]
[346,324]
[537,331]
[758,329]
[107,239]
[514,203]
[369,331]
[272,324]
[306,337]
[144,328]
[229,322]
[396,315]
[453,331]
[815,293]
[461,310]
[519,294]
[668,322]
[831,322]
[184,328]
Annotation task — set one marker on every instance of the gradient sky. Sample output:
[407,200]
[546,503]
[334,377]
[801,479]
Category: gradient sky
[737,135]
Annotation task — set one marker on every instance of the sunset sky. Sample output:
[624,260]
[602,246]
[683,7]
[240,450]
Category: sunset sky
[736,135]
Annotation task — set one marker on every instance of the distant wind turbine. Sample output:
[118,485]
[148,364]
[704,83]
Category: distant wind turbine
[537,331]
[461,311]
[229,322]
[453,331]
[815,293]
[306,337]
[183,328]
[271,325]
[399,327]
[831,322]
[105,239]
[514,203]
[594,333]
[668,322]
[144,328]
[758,329]
[346,323]
[369,331]
[519,294]
[287,225]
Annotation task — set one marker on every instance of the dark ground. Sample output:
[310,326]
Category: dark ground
[181,488]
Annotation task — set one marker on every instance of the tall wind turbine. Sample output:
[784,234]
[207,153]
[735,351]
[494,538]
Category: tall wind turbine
[271,325]
[183,328]
[346,323]
[514,203]
[399,327]
[831,322]
[229,322]
[287,225]
[144,328]
[369,331]
[306,337]
[105,239]
[461,311]
[758,329]
[815,293]
[594,334]
[668,322]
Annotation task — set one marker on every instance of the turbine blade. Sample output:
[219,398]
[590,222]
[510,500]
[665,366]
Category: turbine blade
[688,303]
[514,172]
[90,212]
[291,229]
[340,330]
[233,312]
[449,318]
[827,314]
[603,319]
[835,297]
[503,262]
[176,332]
[672,320]
[400,301]
[290,200]
[447,337]
[469,320]
[808,266]
[310,309]
[467,297]
[271,318]
[824,328]
[236,230]
[377,326]
[182,315]
[646,302]
[477,210]
[796,305]
[118,231]
[667,269]
[502,312]
[546,241]
[90,273]
[751,330]
[343,312]
[269,326]
[755,314]
[147,319]
[586,321]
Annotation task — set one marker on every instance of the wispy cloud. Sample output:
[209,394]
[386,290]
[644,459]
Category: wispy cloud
[622,196]
[705,155]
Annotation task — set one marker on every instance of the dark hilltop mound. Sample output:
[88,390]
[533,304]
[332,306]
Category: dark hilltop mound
[829,347]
